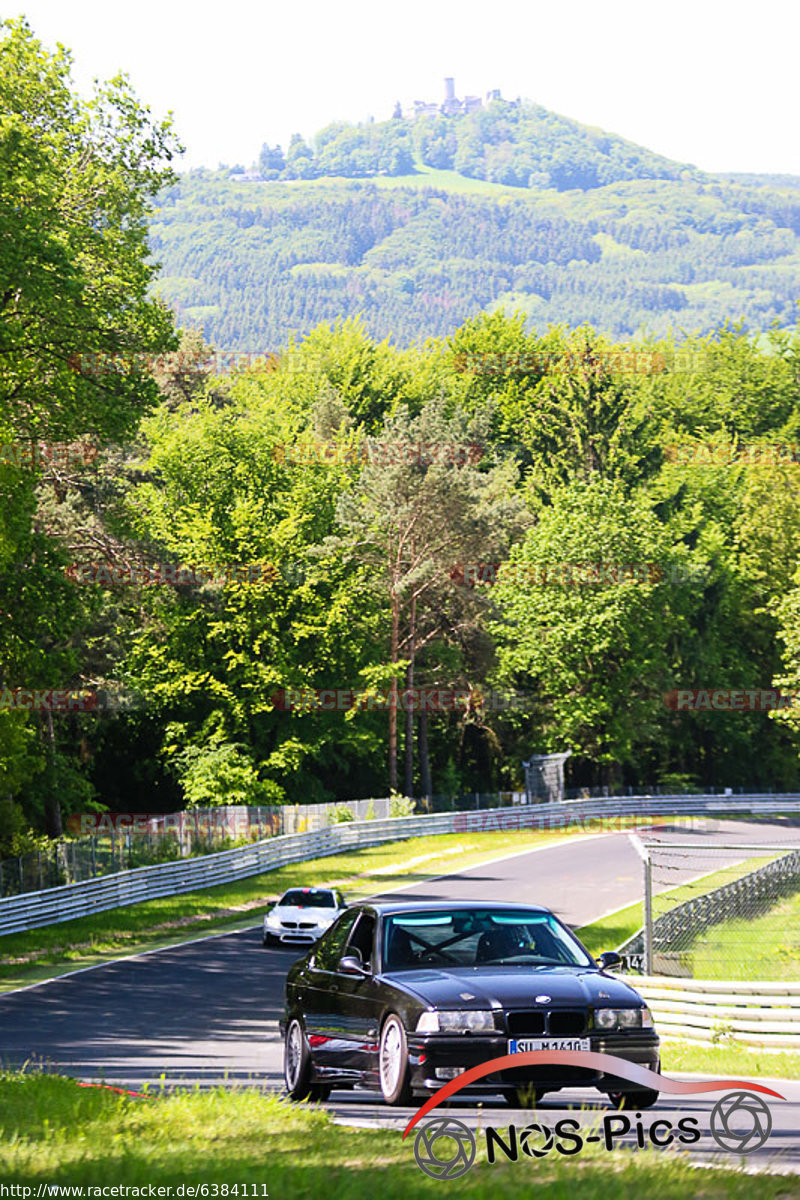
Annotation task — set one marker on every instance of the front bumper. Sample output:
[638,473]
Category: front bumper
[294,937]
[435,1052]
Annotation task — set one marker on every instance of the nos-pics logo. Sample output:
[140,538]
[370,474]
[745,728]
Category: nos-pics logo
[445,1148]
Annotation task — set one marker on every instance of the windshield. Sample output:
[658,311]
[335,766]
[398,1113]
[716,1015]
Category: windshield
[479,937]
[308,898]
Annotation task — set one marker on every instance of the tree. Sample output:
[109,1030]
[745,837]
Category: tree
[271,161]
[592,650]
[77,179]
[411,520]
[788,679]
[299,159]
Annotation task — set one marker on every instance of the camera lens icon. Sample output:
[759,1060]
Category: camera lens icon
[740,1122]
[444,1148]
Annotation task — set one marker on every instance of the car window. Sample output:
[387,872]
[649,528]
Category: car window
[474,937]
[309,898]
[330,947]
[362,939]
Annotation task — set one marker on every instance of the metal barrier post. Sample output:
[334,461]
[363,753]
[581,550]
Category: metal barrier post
[647,928]
[648,914]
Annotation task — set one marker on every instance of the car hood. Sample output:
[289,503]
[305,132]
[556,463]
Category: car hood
[514,987]
[291,912]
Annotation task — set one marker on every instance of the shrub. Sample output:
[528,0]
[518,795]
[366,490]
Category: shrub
[339,814]
[401,806]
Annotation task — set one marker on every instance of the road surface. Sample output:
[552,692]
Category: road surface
[206,1012]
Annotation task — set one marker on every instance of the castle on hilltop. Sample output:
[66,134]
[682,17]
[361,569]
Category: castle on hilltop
[450,107]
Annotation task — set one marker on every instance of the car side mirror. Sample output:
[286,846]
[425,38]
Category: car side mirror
[350,965]
[609,959]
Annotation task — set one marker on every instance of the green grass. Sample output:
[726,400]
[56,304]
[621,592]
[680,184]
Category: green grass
[617,927]
[613,249]
[766,947]
[609,931]
[52,1131]
[426,177]
[43,953]
[727,1058]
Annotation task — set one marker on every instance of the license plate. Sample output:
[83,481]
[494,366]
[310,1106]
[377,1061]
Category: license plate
[524,1045]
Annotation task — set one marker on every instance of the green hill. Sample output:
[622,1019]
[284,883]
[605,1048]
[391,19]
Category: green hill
[507,142]
[417,225]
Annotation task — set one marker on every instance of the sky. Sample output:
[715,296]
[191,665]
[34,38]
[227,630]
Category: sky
[705,82]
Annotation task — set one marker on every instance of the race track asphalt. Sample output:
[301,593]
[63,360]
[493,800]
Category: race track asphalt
[206,1012]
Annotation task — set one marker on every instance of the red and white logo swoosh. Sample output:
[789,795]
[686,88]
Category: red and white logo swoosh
[609,1064]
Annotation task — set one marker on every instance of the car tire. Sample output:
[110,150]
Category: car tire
[523,1097]
[297,1066]
[394,1070]
[629,1100]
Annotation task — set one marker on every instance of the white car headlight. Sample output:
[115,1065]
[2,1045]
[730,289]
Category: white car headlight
[474,1020]
[623,1018]
[272,918]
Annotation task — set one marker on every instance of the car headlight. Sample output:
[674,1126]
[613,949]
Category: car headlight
[474,1020]
[272,918]
[623,1018]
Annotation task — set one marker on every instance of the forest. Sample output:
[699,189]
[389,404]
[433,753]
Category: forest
[252,264]
[365,562]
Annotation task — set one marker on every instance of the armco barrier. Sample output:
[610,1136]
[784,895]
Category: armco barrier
[34,909]
[701,1010]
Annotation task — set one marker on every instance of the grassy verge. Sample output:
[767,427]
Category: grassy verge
[766,947]
[728,1058]
[609,931]
[52,1131]
[617,927]
[42,953]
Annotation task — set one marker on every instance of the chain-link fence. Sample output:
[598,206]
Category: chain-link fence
[149,840]
[720,911]
[674,787]
[71,861]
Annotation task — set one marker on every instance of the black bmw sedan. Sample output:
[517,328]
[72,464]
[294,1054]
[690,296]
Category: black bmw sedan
[404,996]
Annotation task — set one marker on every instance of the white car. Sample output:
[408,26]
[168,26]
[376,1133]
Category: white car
[301,916]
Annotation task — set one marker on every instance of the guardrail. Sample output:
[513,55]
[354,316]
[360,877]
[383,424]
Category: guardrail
[709,1011]
[570,812]
[35,909]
